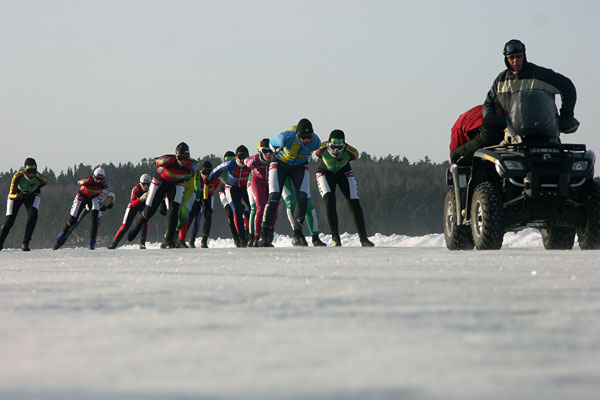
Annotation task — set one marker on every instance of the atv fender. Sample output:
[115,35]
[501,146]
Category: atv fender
[481,166]
[459,176]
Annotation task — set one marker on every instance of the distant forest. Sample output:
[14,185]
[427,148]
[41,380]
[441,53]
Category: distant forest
[397,197]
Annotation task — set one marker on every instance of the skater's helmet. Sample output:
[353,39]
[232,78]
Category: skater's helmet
[265,150]
[337,134]
[99,173]
[241,152]
[263,144]
[182,148]
[30,168]
[206,168]
[304,128]
[145,179]
[228,155]
[336,144]
[182,153]
[30,164]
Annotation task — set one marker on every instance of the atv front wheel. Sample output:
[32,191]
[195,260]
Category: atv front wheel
[487,224]
[458,237]
[589,233]
[558,238]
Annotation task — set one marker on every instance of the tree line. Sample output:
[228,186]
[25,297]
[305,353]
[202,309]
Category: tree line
[397,196]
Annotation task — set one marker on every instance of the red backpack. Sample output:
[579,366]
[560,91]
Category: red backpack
[466,122]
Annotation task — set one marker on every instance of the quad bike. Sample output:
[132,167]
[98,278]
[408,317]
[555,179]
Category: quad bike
[537,181]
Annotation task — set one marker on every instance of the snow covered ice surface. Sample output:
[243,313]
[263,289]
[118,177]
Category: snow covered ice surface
[407,319]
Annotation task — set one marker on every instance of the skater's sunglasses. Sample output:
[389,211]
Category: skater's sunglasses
[336,146]
[206,171]
[99,178]
[30,173]
[305,137]
[182,157]
[266,150]
[242,156]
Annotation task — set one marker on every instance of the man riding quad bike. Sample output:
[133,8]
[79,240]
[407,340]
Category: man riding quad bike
[513,171]
[533,180]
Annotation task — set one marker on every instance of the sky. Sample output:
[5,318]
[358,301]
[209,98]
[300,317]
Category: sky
[116,81]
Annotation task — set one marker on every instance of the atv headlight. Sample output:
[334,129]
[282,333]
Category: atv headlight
[512,165]
[580,166]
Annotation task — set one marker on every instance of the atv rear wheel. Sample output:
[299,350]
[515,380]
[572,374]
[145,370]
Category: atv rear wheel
[487,223]
[458,237]
[589,233]
[558,238]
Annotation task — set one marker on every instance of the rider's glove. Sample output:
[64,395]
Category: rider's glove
[567,124]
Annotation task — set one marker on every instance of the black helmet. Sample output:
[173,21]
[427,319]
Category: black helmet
[182,148]
[206,167]
[228,155]
[241,151]
[304,127]
[264,143]
[513,46]
[337,134]
[29,164]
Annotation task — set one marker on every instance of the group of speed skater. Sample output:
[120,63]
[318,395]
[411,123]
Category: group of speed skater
[249,188]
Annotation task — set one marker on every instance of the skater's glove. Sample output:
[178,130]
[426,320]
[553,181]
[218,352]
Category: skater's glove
[567,124]
[103,208]
[163,208]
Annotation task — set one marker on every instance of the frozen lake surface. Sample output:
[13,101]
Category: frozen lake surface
[407,319]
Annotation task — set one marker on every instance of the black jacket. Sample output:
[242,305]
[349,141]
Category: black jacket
[498,98]
[530,77]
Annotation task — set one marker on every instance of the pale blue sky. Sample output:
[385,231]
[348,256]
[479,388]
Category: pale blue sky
[116,81]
